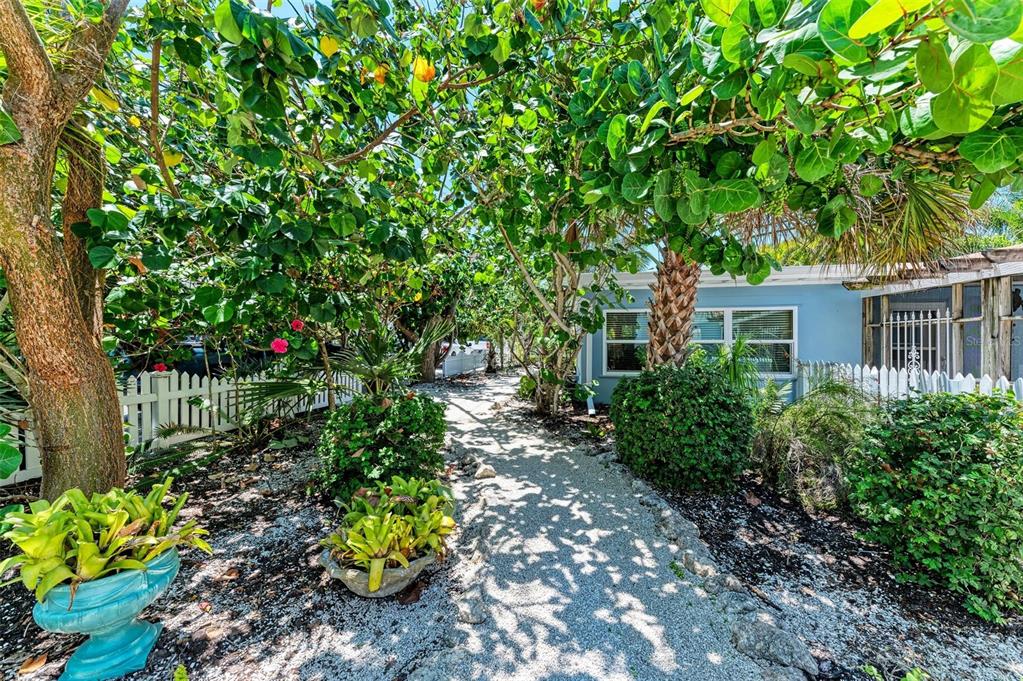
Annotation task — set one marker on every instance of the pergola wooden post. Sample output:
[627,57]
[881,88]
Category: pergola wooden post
[868,331]
[958,350]
[886,336]
[996,327]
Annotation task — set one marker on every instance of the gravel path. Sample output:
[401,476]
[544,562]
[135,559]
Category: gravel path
[556,573]
[575,583]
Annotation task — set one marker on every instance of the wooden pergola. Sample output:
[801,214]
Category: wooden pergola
[994,270]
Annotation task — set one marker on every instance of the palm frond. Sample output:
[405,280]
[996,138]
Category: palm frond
[282,396]
[373,358]
[738,363]
[910,224]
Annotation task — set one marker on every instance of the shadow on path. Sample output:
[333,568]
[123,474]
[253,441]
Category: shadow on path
[575,584]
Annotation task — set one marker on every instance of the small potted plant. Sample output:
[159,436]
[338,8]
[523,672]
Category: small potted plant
[389,535]
[94,563]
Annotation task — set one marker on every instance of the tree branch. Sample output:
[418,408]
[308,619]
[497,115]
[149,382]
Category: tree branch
[471,83]
[154,120]
[88,49]
[924,155]
[379,139]
[544,303]
[31,76]
[450,83]
[405,331]
[717,129]
[86,168]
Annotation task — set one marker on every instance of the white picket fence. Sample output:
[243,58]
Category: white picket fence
[151,402]
[885,383]
[464,362]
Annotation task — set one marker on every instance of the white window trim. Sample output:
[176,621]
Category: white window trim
[727,340]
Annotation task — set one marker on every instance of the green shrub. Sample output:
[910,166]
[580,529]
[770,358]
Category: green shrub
[801,449]
[940,480]
[376,437]
[683,427]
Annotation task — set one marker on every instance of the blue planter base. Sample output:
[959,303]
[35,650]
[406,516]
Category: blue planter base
[112,654]
[107,610]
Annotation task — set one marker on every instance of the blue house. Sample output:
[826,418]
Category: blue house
[798,314]
[964,315]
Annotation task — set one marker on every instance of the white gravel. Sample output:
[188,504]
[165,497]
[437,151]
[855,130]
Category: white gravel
[865,625]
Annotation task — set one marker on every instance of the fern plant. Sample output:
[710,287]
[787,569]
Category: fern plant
[801,448]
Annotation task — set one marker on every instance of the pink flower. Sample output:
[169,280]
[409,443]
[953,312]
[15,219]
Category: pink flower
[297,325]
[279,345]
[159,366]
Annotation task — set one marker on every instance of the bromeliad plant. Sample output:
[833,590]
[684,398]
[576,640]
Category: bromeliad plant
[77,538]
[391,525]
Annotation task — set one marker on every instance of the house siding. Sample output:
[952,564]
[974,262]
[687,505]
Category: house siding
[828,321]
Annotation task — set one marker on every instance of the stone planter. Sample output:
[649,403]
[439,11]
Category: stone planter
[107,610]
[395,579]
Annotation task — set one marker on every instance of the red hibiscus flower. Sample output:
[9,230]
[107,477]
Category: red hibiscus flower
[279,345]
[297,325]
[159,366]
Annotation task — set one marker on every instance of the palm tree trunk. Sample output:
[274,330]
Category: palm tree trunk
[672,308]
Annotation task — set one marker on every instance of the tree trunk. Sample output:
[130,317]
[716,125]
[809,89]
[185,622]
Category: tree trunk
[548,398]
[672,308]
[72,394]
[86,168]
[428,364]
[55,298]
[491,358]
[328,374]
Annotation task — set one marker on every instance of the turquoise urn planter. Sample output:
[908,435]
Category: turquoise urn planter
[107,609]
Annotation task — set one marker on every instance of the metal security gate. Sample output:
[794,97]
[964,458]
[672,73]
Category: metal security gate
[919,339]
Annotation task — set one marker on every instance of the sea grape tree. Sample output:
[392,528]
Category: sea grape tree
[870,119]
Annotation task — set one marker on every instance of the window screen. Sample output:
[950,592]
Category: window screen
[625,337]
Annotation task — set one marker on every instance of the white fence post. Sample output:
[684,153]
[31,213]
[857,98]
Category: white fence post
[160,385]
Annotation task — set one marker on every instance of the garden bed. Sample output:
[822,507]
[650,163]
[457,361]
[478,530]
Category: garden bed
[261,606]
[839,593]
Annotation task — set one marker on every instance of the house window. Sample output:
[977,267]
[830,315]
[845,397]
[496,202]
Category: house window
[771,332]
[625,341]
[709,329]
